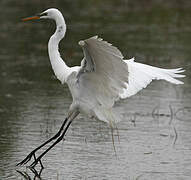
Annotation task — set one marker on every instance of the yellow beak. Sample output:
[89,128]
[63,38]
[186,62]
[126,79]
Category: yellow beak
[31,18]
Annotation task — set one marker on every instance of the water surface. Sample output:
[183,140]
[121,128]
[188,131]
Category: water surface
[155,139]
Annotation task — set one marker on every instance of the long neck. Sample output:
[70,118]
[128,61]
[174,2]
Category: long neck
[60,68]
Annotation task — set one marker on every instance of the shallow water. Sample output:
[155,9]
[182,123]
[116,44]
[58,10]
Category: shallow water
[155,139]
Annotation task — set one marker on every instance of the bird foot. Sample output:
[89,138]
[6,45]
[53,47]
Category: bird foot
[27,159]
[35,162]
[35,172]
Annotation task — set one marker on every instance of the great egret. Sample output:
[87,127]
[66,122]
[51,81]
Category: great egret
[103,78]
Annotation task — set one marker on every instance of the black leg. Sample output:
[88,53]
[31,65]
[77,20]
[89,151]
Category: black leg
[32,153]
[24,174]
[36,174]
[56,142]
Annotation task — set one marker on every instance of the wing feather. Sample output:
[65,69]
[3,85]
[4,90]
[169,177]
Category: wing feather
[104,70]
[108,77]
[141,75]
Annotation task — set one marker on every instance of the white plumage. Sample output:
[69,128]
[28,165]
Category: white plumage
[140,75]
[104,76]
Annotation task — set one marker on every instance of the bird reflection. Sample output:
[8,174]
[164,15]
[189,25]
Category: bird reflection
[34,176]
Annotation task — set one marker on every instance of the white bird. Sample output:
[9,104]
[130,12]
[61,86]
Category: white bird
[103,78]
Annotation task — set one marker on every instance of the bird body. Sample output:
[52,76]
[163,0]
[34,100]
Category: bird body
[103,77]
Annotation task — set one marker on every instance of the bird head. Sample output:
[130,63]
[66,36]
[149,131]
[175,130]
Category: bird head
[51,13]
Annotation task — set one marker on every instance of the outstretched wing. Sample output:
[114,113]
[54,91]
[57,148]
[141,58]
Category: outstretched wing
[103,71]
[141,75]
[109,77]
